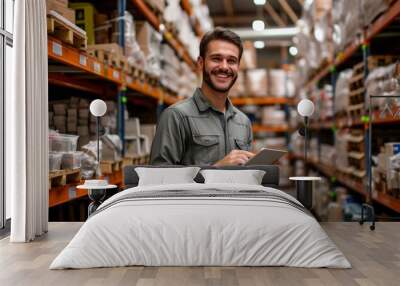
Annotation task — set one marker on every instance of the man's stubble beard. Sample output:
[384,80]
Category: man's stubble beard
[208,81]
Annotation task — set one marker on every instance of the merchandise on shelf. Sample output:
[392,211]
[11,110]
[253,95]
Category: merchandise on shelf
[387,173]
[202,14]
[384,81]
[158,5]
[84,18]
[342,92]
[373,8]
[71,160]
[272,116]
[341,150]
[61,7]
[249,56]
[328,154]
[256,82]
[175,16]
[149,41]
[239,88]
[281,83]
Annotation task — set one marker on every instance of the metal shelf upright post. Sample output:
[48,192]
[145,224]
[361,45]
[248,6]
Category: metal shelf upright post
[122,90]
[367,141]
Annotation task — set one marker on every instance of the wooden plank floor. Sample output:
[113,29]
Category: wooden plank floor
[375,257]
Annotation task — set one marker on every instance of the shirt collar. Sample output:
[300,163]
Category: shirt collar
[203,104]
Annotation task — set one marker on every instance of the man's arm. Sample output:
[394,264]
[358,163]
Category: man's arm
[169,142]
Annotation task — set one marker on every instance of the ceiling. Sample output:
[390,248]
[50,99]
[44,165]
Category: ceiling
[241,13]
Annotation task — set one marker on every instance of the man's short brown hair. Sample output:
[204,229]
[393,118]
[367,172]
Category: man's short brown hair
[222,34]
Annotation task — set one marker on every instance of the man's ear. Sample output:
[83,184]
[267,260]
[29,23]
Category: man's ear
[200,63]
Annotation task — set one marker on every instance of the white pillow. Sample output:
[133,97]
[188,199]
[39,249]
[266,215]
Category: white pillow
[248,177]
[166,176]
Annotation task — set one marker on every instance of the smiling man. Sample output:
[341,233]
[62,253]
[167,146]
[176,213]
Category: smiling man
[207,129]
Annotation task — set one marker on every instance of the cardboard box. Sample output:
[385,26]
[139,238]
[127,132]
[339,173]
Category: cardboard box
[83,122]
[59,120]
[157,4]
[64,11]
[63,3]
[249,56]
[256,82]
[72,127]
[83,130]
[84,113]
[60,109]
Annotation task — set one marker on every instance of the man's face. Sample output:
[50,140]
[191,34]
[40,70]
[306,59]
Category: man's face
[221,65]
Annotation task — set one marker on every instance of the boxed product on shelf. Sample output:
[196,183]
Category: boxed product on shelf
[111,147]
[281,83]
[342,92]
[383,81]
[158,5]
[341,149]
[149,41]
[328,154]
[61,7]
[249,56]
[132,126]
[239,87]
[72,127]
[256,82]
[273,116]
[149,130]
[83,130]
[55,161]
[373,8]
[71,160]
[60,108]
[62,142]
[84,18]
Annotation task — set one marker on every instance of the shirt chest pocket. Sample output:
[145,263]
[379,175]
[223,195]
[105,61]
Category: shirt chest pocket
[205,149]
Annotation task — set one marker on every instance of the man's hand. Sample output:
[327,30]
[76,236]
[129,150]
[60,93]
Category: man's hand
[235,157]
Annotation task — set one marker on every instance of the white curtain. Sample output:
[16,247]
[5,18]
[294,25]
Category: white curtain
[27,123]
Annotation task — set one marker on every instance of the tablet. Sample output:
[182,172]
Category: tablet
[266,157]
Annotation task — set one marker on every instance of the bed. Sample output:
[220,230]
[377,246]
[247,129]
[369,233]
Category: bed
[198,224]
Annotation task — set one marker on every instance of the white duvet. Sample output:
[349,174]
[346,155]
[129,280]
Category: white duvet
[203,231]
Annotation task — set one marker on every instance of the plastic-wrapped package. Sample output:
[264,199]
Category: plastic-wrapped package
[372,8]
[342,91]
[71,160]
[88,166]
[341,139]
[62,142]
[352,20]
[55,160]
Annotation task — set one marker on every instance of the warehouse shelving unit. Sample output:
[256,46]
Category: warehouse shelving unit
[362,122]
[74,68]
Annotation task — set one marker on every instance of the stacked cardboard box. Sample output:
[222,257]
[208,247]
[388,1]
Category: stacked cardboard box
[61,7]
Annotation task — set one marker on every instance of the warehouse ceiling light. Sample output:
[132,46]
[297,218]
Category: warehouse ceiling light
[293,51]
[270,33]
[258,25]
[259,44]
[259,2]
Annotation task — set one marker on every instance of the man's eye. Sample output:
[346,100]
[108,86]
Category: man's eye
[232,61]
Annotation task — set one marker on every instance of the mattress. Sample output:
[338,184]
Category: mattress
[201,225]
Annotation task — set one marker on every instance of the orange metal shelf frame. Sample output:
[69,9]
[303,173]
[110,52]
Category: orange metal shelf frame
[73,57]
[63,194]
[266,128]
[172,41]
[383,21]
[267,100]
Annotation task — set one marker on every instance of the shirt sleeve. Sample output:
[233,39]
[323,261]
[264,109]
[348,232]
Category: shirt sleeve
[250,136]
[169,141]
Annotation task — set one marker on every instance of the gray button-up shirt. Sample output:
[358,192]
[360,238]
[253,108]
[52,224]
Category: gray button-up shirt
[193,132]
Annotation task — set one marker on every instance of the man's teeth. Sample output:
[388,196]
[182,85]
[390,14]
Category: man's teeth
[222,75]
